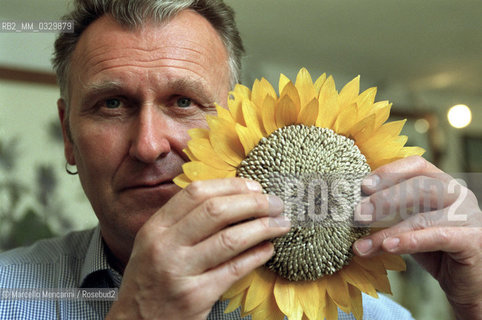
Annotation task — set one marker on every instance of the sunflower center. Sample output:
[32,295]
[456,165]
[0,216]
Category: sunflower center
[318,174]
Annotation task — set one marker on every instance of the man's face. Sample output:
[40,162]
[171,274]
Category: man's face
[133,96]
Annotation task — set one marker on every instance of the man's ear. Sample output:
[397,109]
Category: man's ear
[64,122]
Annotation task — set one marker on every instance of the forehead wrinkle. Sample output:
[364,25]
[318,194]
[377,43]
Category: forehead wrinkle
[92,54]
[169,59]
[177,45]
[106,68]
[189,45]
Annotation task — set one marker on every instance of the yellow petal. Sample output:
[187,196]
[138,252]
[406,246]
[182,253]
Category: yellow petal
[182,180]
[291,91]
[328,90]
[286,112]
[260,289]
[235,100]
[382,112]
[223,113]
[391,128]
[382,147]
[346,119]
[374,265]
[268,115]
[234,303]
[411,151]
[319,82]
[257,95]
[327,113]
[189,154]
[242,91]
[353,274]
[362,128]
[198,133]
[234,106]
[202,150]
[308,295]
[267,310]
[338,291]
[356,302]
[393,262]
[331,311]
[305,87]
[349,93]
[283,81]
[328,104]
[196,170]
[380,282]
[365,101]
[309,114]
[261,89]
[247,138]
[239,286]
[225,141]
[322,283]
[252,118]
[285,296]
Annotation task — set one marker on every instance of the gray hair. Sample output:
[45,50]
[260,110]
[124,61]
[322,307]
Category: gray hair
[132,14]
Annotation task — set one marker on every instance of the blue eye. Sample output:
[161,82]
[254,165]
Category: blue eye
[112,103]
[183,102]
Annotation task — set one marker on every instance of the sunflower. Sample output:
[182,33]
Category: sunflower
[308,133]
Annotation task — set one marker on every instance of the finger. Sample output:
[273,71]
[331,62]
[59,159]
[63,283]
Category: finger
[419,194]
[235,269]
[400,170]
[450,239]
[216,213]
[372,244]
[197,192]
[234,240]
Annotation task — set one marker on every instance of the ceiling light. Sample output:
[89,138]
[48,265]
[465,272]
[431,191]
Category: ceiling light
[459,116]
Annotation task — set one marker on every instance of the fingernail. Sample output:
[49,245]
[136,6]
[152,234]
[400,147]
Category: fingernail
[275,204]
[364,246]
[281,221]
[391,244]
[371,181]
[253,186]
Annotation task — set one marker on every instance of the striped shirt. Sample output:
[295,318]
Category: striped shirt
[78,260]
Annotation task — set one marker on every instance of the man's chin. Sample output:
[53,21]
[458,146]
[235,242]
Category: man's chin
[120,228]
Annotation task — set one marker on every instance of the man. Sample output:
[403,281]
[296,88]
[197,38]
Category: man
[134,77]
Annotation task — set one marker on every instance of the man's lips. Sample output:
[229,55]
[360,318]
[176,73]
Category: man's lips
[147,185]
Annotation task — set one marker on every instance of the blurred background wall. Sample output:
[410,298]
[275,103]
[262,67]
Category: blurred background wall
[425,57]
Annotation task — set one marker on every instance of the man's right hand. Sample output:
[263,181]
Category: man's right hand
[193,249]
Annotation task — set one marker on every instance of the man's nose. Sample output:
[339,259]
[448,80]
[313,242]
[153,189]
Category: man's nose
[150,136]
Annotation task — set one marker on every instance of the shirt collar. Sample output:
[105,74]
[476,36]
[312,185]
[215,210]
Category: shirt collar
[96,271]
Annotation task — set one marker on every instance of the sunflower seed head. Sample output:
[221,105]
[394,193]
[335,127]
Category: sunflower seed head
[318,174]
